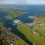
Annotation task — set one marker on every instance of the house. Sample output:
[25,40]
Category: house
[11,44]
[15,22]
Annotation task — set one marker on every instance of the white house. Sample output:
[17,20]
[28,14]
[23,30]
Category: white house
[11,44]
[15,22]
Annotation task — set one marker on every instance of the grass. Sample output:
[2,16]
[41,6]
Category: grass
[13,14]
[27,32]
[17,41]
[41,30]
[36,39]
[20,42]
[40,39]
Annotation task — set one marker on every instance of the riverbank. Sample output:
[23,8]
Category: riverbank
[38,30]
[9,37]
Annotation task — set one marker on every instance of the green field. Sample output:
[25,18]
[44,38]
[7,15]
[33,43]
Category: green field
[17,41]
[36,39]
[26,31]
[40,38]
[13,14]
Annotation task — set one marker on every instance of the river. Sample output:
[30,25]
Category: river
[8,24]
[34,10]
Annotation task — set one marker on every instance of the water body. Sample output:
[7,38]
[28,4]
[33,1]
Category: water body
[24,18]
[2,14]
[8,24]
[31,11]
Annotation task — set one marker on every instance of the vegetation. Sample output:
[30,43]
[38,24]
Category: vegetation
[40,38]
[37,39]
[13,14]
[6,37]
[26,31]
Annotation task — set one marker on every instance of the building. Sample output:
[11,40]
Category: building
[15,22]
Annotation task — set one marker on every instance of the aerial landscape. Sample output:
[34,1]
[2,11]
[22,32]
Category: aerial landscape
[22,24]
